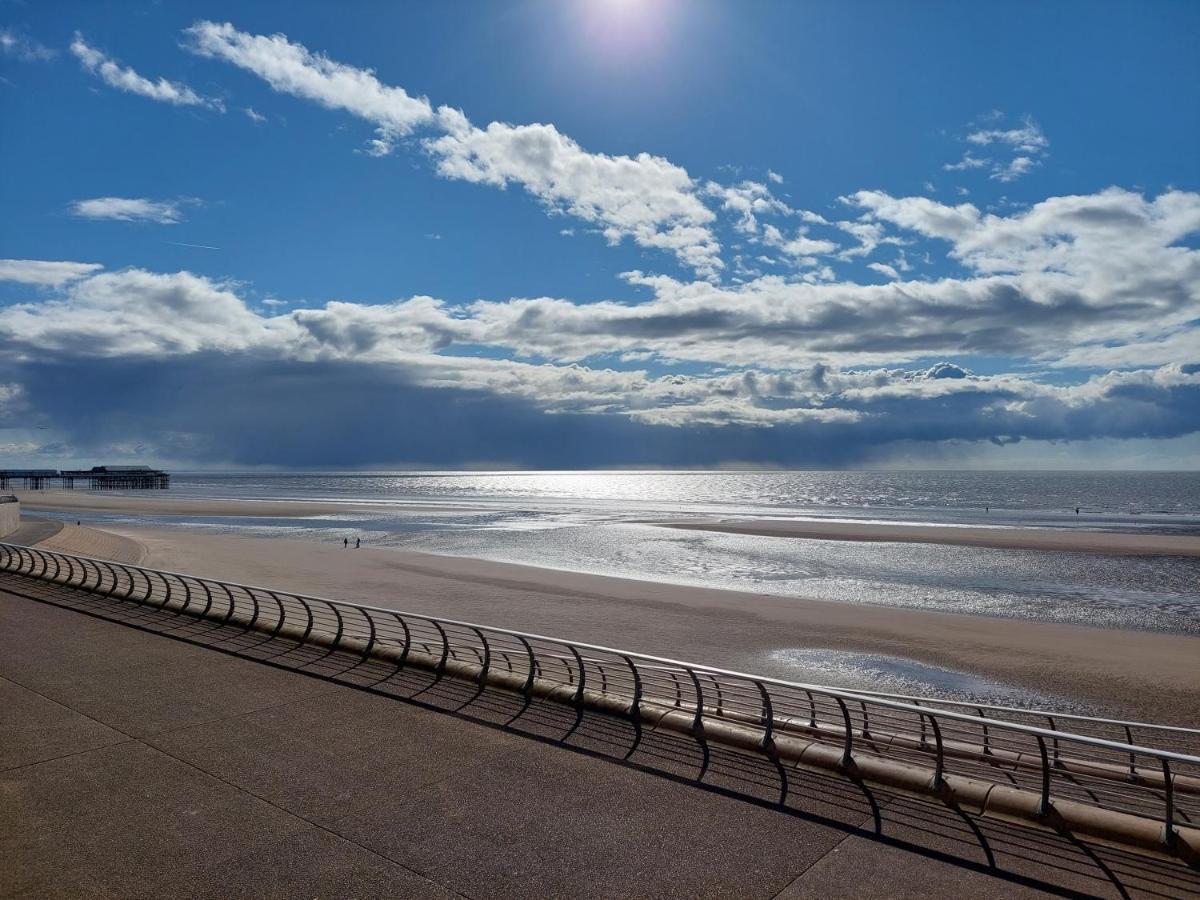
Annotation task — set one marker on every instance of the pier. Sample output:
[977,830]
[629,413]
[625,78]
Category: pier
[97,478]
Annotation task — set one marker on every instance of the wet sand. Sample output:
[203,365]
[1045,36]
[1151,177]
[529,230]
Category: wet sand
[1142,675]
[84,502]
[1072,540]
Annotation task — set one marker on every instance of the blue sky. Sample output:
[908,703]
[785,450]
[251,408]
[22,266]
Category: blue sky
[604,232]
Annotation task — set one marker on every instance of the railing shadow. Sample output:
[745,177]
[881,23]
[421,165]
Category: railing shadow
[1021,855]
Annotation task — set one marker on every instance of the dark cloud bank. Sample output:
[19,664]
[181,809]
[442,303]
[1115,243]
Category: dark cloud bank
[228,410]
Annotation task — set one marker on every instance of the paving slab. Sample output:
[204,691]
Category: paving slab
[131,681]
[130,821]
[35,729]
[330,756]
[542,823]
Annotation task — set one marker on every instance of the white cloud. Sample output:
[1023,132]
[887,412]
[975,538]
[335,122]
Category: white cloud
[292,69]
[44,273]
[967,162]
[788,335]
[26,49]
[126,79]
[747,200]
[644,198]
[129,209]
[1027,146]
[1029,138]
[254,116]
[799,248]
[1016,167]
[885,269]
[774,177]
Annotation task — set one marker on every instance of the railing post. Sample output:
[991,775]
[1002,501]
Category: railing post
[487,657]
[848,745]
[341,626]
[1169,834]
[1133,776]
[232,603]
[987,743]
[578,698]
[441,666]
[940,763]
[283,616]
[635,708]
[407,638]
[768,717]
[1044,801]
[253,594]
[716,683]
[698,719]
[527,687]
[371,639]
[187,594]
[1054,741]
[208,598]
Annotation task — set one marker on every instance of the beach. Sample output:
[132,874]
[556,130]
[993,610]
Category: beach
[1137,674]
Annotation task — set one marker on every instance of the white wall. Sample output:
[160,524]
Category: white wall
[10,518]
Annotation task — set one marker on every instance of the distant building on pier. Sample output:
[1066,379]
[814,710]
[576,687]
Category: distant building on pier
[98,478]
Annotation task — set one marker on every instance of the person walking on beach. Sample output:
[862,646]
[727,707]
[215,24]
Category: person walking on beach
[357,542]
[345,542]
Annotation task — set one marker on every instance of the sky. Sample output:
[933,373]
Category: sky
[600,233]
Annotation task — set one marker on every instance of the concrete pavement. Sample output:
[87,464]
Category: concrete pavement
[144,754]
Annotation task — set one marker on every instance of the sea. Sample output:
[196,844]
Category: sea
[601,522]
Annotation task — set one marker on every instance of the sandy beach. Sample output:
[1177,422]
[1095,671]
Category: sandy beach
[85,502]
[1137,674]
[1078,541]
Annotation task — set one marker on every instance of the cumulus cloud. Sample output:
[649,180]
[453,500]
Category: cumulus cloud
[748,201]
[129,209]
[644,198]
[124,78]
[44,273]
[1068,276]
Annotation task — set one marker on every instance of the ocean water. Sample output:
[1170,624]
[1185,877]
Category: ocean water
[598,522]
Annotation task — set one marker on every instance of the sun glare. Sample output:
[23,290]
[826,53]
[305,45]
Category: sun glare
[616,28]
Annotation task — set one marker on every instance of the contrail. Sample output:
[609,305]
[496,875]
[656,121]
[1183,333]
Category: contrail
[197,246]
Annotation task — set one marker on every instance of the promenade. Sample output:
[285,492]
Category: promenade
[146,754]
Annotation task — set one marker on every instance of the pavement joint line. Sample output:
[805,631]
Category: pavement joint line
[869,820]
[156,749]
[37,762]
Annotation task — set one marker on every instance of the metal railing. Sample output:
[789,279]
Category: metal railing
[1155,777]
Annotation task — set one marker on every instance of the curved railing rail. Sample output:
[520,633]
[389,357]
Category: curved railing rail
[1139,769]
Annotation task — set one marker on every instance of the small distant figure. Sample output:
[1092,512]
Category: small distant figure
[987,509]
[357,543]
[77,522]
[1077,510]
[345,542]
